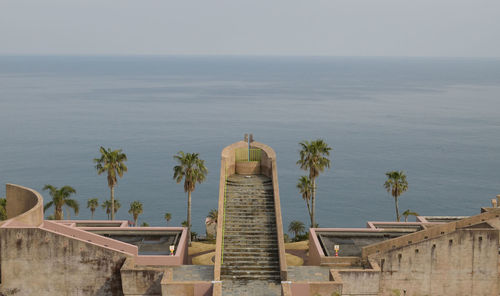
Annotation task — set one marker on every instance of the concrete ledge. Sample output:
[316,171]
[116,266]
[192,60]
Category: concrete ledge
[248,168]
[24,205]
[191,288]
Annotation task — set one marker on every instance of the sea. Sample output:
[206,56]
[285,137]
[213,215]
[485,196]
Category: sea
[436,119]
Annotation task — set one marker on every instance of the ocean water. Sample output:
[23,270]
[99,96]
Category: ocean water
[436,119]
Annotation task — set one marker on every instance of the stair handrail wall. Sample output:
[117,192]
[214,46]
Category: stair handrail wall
[270,169]
[227,168]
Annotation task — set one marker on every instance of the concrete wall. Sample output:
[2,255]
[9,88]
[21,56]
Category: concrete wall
[35,261]
[248,168]
[141,280]
[431,232]
[464,262]
[24,206]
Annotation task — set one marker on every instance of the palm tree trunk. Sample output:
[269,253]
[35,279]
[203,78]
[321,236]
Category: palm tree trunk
[309,212]
[397,208]
[58,215]
[112,203]
[189,217]
[313,202]
[92,215]
[135,221]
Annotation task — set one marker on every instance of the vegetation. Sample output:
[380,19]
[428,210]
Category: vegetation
[113,163]
[3,209]
[60,198]
[305,188]
[92,204]
[184,223]
[409,213]
[396,185]
[135,210]
[314,159]
[168,217]
[297,228]
[192,170]
[212,216]
[106,205]
[145,224]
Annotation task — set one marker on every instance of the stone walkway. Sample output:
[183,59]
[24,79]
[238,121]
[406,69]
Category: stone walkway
[250,288]
[186,273]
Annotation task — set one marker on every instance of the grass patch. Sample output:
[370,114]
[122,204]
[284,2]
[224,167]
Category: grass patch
[303,245]
[293,260]
[197,247]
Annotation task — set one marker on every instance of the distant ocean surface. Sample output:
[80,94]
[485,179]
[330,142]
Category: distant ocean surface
[436,119]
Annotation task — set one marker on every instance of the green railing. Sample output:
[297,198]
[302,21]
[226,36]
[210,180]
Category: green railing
[245,154]
[224,218]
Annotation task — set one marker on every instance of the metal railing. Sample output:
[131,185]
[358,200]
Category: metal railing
[245,154]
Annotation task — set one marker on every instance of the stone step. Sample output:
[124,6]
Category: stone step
[253,273]
[248,228]
[250,269]
[231,215]
[241,264]
[249,232]
[253,244]
[257,254]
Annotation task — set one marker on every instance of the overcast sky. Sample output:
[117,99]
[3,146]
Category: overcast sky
[469,28]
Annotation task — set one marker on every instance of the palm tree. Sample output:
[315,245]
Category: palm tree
[112,162]
[135,210]
[60,198]
[314,158]
[305,188]
[192,169]
[212,216]
[409,213]
[296,227]
[107,206]
[396,185]
[168,217]
[184,223]
[3,209]
[92,204]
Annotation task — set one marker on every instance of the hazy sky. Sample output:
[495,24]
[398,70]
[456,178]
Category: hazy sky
[257,27]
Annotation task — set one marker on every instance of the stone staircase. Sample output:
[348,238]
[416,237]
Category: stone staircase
[250,252]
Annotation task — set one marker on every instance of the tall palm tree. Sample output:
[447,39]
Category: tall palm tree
[168,217]
[92,204]
[212,216]
[107,206]
[60,198]
[396,185]
[192,169]
[135,210]
[409,213]
[112,162]
[296,227]
[305,188]
[314,158]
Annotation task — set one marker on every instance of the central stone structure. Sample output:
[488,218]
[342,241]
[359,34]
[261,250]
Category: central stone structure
[250,253]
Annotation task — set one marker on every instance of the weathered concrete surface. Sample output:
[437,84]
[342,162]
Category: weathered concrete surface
[141,280]
[464,262]
[24,205]
[248,168]
[39,262]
